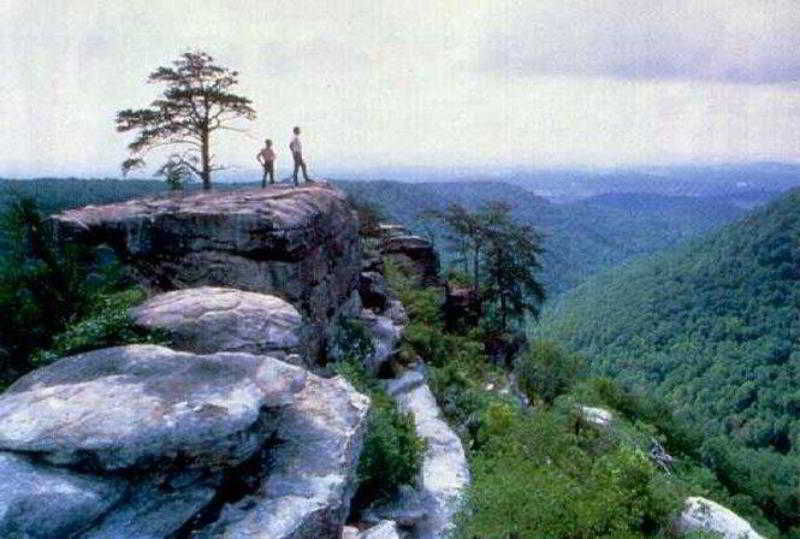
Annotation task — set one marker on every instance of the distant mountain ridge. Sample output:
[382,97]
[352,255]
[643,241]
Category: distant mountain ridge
[580,238]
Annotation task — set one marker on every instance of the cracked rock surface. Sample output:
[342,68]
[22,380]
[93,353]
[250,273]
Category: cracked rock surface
[212,319]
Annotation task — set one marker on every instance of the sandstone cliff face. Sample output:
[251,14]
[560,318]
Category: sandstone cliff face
[299,244]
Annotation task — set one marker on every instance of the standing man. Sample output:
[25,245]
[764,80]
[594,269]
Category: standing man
[267,159]
[297,153]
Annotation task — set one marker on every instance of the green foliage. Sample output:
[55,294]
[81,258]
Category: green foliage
[582,237]
[351,342]
[43,287]
[546,372]
[711,330]
[109,324]
[533,479]
[392,452]
[501,254]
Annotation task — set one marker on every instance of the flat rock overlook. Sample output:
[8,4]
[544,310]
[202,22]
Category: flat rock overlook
[300,244]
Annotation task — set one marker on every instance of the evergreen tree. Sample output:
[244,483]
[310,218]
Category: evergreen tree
[504,256]
[196,102]
[511,258]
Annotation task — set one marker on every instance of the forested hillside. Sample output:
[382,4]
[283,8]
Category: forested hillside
[713,328]
[580,238]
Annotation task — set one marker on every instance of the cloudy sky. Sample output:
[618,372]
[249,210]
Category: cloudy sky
[441,83]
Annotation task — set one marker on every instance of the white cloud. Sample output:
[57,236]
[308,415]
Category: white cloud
[750,41]
[395,81]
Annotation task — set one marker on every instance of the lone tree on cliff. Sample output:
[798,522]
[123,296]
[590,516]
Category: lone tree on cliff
[504,256]
[195,103]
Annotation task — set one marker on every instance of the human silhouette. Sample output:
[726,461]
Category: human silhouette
[297,154]
[267,159]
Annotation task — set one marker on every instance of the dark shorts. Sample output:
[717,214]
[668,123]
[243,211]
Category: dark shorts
[269,166]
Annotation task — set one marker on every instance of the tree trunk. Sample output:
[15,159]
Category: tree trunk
[205,172]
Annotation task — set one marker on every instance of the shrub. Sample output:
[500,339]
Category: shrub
[392,452]
[351,341]
[532,479]
[108,325]
[546,372]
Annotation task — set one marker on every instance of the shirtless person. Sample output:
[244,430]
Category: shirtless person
[267,159]
[297,154]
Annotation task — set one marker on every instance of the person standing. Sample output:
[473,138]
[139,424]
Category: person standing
[267,159]
[297,154]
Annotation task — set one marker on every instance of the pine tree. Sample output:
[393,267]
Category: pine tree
[196,102]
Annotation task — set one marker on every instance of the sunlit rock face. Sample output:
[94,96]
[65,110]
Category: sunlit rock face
[144,441]
[299,244]
[701,515]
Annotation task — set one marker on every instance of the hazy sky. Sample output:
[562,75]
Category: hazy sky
[428,82]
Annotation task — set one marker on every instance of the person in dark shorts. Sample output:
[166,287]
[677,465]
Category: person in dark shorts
[297,154]
[267,159]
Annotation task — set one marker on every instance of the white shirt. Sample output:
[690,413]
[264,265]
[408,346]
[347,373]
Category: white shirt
[295,145]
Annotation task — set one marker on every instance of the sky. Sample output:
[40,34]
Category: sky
[433,83]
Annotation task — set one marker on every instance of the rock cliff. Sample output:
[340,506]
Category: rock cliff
[301,245]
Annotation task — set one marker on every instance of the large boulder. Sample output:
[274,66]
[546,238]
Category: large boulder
[429,509]
[300,244]
[143,441]
[703,515]
[312,476]
[211,319]
[141,405]
[42,501]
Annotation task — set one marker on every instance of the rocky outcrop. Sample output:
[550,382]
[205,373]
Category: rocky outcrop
[210,319]
[416,254]
[596,417]
[702,515]
[143,441]
[133,406]
[429,509]
[42,501]
[300,244]
[312,479]
[386,529]
[385,330]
